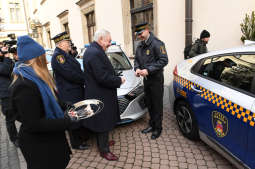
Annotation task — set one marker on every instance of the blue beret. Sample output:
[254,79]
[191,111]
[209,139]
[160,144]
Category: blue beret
[28,49]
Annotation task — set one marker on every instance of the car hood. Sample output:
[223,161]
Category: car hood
[131,82]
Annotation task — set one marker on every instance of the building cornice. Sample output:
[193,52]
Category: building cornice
[82,2]
[42,2]
[62,14]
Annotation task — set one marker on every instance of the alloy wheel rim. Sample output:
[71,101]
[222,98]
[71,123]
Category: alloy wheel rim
[184,119]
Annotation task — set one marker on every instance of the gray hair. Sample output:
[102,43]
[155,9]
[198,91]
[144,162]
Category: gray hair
[101,33]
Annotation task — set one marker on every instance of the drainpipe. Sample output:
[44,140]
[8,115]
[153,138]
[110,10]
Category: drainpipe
[188,22]
[25,12]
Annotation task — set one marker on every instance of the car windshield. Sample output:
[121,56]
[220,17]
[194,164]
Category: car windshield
[119,61]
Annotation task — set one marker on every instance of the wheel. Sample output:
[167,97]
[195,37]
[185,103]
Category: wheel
[186,120]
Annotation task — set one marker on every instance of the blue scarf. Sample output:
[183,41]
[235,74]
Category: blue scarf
[52,108]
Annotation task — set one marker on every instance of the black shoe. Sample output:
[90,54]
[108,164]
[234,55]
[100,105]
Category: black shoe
[155,134]
[83,146]
[147,130]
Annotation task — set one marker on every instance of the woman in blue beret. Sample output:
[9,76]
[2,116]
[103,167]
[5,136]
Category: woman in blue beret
[33,96]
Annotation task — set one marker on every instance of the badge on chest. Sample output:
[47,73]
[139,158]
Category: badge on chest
[147,52]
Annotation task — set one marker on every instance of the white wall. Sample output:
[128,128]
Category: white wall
[222,19]
[171,30]
[49,11]
[109,16]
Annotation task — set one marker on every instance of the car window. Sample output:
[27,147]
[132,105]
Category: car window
[235,71]
[119,61]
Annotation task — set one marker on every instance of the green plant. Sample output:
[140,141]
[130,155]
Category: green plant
[248,27]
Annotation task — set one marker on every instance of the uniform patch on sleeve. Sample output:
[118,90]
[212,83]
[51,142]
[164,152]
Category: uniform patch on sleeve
[162,49]
[61,59]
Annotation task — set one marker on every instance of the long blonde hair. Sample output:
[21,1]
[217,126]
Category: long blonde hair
[39,64]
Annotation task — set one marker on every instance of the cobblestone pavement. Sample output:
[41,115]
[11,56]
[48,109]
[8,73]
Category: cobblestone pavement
[10,156]
[135,150]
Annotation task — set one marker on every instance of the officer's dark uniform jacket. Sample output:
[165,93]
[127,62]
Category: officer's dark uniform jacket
[151,55]
[6,67]
[68,75]
[199,47]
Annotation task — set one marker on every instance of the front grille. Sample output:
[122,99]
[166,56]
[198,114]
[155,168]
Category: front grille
[123,104]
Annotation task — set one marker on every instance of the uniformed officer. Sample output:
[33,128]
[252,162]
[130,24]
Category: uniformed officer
[69,81]
[150,59]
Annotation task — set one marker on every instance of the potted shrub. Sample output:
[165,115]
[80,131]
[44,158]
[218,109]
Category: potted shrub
[248,27]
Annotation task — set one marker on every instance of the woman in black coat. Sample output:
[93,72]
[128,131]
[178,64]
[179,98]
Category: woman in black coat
[42,133]
[101,83]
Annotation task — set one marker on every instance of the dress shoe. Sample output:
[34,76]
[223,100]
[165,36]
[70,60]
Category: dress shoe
[147,130]
[155,134]
[83,146]
[111,143]
[109,156]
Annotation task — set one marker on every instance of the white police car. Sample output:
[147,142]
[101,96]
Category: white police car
[215,101]
[130,94]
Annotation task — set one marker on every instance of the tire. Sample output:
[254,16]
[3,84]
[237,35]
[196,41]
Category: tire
[186,120]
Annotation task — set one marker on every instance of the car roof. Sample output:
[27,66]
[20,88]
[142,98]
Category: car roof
[186,65]
[239,49]
[114,48]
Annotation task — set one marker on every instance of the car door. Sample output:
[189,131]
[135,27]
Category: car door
[223,101]
[250,152]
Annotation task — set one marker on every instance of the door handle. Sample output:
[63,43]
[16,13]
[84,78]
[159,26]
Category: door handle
[196,90]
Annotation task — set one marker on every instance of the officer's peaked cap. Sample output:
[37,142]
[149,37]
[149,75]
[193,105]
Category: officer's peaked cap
[139,28]
[61,36]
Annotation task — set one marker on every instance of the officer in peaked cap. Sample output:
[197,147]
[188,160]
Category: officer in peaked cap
[69,81]
[150,59]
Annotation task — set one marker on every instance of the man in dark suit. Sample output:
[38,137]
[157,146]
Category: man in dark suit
[69,81]
[102,83]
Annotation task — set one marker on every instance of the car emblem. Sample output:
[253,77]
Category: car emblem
[85,109]
[220,124]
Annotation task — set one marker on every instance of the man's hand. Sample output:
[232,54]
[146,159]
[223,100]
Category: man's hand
[144,72]
[123,80]
[137,72]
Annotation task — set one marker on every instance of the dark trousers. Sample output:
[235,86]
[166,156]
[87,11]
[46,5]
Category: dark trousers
[154,90]
[103,142]
[10,118]
[78,136]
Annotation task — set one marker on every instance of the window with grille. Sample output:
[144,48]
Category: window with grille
[141,11]
[15,13]
[91,25]
[66,27]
